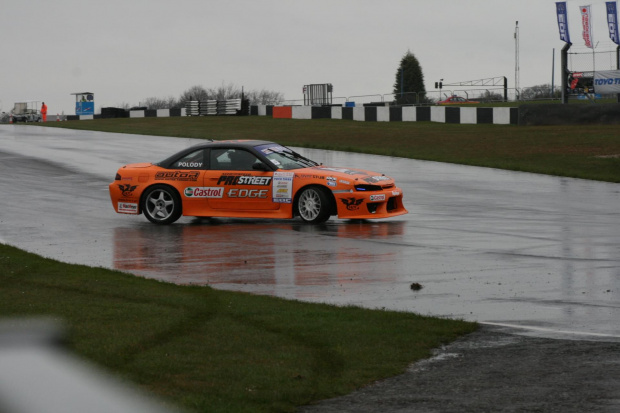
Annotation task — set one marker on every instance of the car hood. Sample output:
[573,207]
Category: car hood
[354,175]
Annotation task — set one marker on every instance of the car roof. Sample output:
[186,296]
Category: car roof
[243,143]
[239,143]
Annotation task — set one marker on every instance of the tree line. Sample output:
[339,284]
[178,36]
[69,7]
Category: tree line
[224,92]
[408,89]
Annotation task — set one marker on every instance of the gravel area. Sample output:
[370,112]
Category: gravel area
[495,371]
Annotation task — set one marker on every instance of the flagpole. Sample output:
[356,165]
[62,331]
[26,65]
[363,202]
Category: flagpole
[516,36]
[593,46]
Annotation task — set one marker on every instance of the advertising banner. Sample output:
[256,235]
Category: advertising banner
[612,21]
[587,26]
[562,21]
[85,108]
[607,81]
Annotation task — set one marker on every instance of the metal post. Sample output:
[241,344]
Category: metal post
[618,67]
[402,82]
[440,86]
[564,63]
[552,73]
[516,36]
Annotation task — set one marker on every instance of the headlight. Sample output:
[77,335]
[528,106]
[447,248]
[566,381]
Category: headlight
[368,188]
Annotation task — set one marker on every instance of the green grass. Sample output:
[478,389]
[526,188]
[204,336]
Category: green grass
[588,151]
[217,351]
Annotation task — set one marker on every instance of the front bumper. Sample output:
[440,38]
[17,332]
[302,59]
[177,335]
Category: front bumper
[370,205]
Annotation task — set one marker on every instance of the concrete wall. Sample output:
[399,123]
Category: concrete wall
[543,114]
[440,114]
[572,114]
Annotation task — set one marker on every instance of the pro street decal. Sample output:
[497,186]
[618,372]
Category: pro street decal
[244,180]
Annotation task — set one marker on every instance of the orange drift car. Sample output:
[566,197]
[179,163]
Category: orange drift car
[252,179]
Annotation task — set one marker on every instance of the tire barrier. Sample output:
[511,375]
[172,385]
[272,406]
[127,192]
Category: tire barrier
[192,108]
[215,107]
[234,107]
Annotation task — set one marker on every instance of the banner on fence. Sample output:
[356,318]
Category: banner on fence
[607,81]
[562,21]
[612,21]
[586,26]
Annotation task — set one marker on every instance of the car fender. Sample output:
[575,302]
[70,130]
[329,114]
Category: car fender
[144,190]
[327,190]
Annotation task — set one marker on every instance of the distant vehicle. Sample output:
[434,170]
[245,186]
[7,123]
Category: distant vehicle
[251,179]
[456,100]
[26,112]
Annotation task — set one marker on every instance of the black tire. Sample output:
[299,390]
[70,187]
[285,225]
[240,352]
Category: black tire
[314,205]
[161,205]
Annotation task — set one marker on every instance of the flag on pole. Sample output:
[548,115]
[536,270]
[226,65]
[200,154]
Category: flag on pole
[587,26]
[562,21]
[612,21]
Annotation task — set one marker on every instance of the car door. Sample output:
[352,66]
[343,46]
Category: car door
[239,186]
[187,174]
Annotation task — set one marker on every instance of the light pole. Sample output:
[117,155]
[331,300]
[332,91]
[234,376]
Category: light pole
[516,35]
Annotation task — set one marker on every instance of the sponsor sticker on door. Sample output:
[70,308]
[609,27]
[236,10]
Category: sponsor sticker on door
[282,187]
[203,192]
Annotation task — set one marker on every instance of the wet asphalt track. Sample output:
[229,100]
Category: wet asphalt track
[536,252]
[525,254]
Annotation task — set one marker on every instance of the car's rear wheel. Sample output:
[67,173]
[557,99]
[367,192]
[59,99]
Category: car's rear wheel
[314,205]
[161,205]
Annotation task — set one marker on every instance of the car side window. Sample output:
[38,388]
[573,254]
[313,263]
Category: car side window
[194,160]
[219,160]
[232,160]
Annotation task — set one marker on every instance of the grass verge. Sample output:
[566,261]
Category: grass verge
[217,351]
[578,151]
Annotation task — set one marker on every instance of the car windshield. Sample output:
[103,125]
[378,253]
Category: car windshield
[284,158]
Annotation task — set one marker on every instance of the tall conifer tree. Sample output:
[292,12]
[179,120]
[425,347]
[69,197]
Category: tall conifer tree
[409,86]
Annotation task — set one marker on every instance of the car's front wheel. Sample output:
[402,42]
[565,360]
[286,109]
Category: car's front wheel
[161,205]
[314,205]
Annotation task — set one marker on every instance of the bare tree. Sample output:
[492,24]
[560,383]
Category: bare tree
[195,93]
[159,103]
[223,92]
[264,97]
[229,91]
[488,96]
[540,92]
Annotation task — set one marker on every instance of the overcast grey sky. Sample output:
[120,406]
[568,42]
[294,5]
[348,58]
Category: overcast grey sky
[128,50]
